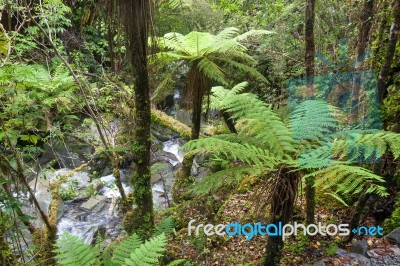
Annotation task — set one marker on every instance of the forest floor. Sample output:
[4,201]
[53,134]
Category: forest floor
[299,250]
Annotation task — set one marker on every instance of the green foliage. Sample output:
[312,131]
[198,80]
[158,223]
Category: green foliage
[210,54]
[69,192]
[148,253]
[165,227]
[73,251]
[393,221]
[31,92]
[124,249]
[312,120]
[265,142]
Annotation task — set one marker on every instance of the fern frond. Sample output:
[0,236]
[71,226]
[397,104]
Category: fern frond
[312,120]
[148,253]
[166,226]
[227,177]
[73,251]
[212,70]
[220,148]
[260,121]
[348,179]
[125,248]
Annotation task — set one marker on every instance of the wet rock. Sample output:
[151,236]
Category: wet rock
[162,133]
[163,156]
[40,184]
[78,182]
[161,171]
[359,247]
[100,165]
[394,236]
[93,202]
[70,152]
[184,116]
[198,170]
[41,188]
[110,189]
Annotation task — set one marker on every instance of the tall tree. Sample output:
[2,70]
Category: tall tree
[391,48]
[310,72]
[137,19]
[365,23]
[208,56]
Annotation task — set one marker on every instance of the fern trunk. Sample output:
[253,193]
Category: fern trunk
[198,86]
[310,200]
[358,211]
[229,122]
[283,197]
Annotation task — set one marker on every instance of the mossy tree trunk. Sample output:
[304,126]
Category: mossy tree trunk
[390,51]
[310,72]
[137,21]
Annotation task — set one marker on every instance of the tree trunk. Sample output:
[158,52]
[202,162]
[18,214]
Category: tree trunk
[366,17]
[137,16]
[391,48]
[283,196]
[310,72]
[358,211]
[198,84]
[229,122]
[310,47]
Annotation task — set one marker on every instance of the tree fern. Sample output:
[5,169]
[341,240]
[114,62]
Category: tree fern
[208,57]
[313,140]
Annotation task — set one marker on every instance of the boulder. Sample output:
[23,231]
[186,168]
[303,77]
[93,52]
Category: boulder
[70,152]
[394,236]
[162,133]
[359,247]
[94,202]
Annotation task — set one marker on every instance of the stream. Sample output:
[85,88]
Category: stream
[87,215]
[86,221]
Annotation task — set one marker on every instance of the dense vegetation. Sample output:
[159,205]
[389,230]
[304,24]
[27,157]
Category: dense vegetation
[283,111]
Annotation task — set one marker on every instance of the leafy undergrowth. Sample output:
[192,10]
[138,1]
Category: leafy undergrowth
[246,208]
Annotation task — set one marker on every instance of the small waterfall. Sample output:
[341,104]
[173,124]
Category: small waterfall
[172,146]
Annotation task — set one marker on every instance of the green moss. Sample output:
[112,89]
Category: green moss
[394,220]
[169,122]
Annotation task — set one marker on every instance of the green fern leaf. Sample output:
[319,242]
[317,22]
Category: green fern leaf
[125,248]
[73,251]
[148,253]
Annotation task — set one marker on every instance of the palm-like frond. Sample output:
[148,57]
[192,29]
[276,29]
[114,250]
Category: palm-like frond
[264,142]
[312,120]
[349,179]
[246,153]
